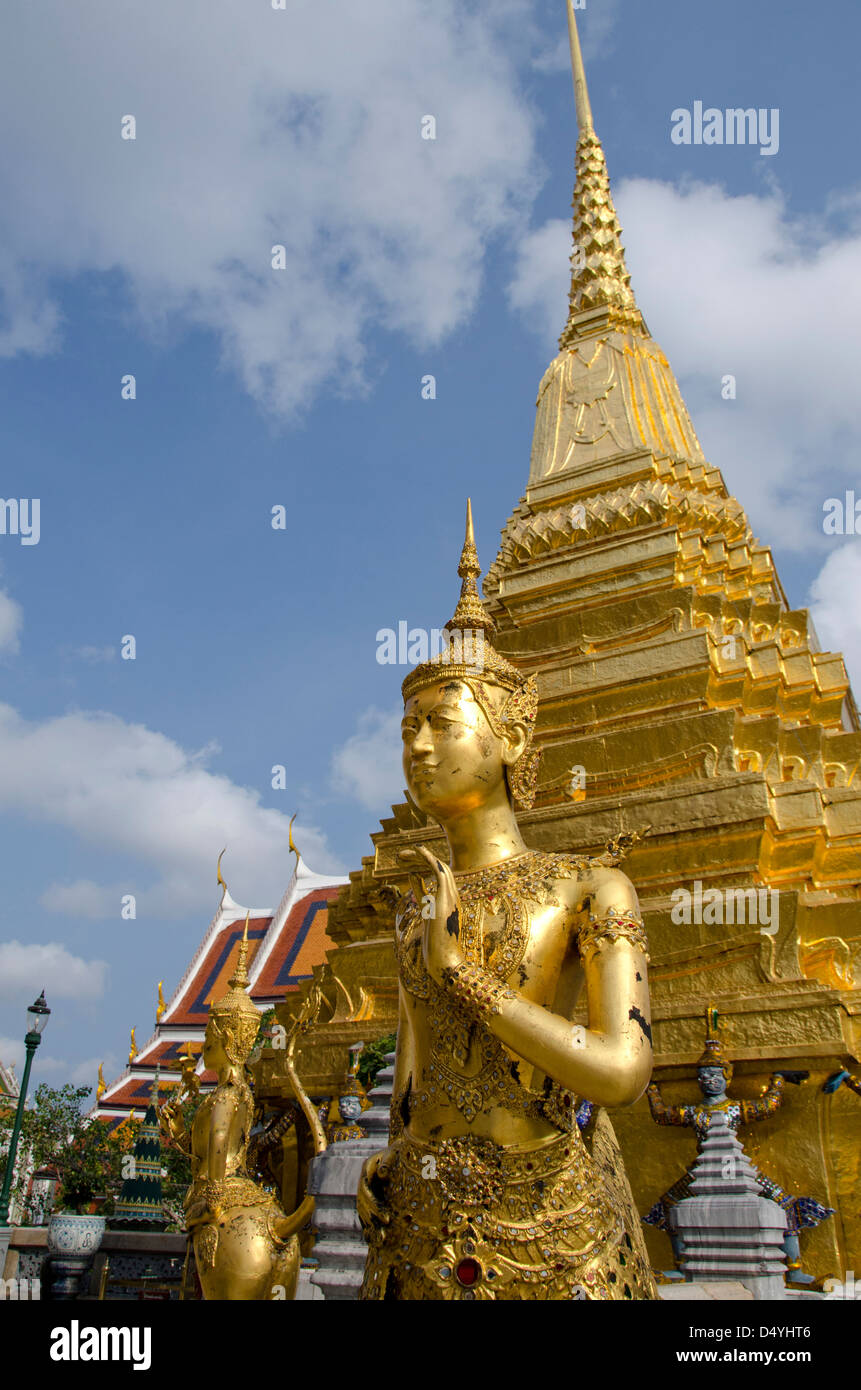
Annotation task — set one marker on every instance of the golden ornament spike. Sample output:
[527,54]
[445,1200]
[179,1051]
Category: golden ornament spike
[469,555]
[292,842]
[161,1006]
[469,538]
[581,90]
[133,1047]
[101,1086]
[239,978]
[470,615]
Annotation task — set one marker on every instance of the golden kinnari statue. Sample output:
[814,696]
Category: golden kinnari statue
[245,1246]
[489,1189]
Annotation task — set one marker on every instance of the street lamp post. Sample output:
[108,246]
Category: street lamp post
[37,1018]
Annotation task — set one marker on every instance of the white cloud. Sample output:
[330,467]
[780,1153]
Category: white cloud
[595,25]
[257,127]
[57,1070]
[734,285]
[368,766]
[836,618]
[94,656]
[11,621]
[27,968]
[85,1073]
[124,788]
[84,898]
[12,1053]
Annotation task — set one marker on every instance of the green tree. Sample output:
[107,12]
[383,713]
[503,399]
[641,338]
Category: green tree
[176,1167]
[373,1058]
[55,1133]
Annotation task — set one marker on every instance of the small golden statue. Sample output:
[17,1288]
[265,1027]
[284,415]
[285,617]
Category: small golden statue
[245,1246]
[488,1189]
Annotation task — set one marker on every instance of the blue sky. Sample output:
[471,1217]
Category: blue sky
[302,388]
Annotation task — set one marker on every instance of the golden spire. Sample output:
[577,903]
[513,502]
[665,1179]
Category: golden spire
[293,848]
[161,1006]
[133,1047]
[581,91]
[101,1086]
[601,293]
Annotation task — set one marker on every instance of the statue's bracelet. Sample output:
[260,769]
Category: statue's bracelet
[476,990]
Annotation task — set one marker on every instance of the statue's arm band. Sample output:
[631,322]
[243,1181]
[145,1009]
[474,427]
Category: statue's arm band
[476,990]
[767,1105]
[660,1111]
[615,925]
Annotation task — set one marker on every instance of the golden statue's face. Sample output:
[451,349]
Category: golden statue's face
[214,1055]
[453,761]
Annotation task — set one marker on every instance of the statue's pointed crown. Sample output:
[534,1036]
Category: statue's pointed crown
[235,1003]
[469,655]
[714,1054]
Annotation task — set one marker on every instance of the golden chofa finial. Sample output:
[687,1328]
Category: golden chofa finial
[101,1087]
[218,873]
[291,841]
[133,1047]
[161,1006]
[581,91]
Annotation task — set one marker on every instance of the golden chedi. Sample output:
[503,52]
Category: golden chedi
[488,1189]
[245,1246]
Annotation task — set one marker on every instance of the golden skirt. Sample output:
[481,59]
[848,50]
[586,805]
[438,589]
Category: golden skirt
[471,1219]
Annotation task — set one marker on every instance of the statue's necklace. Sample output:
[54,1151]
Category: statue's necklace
[507,887]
